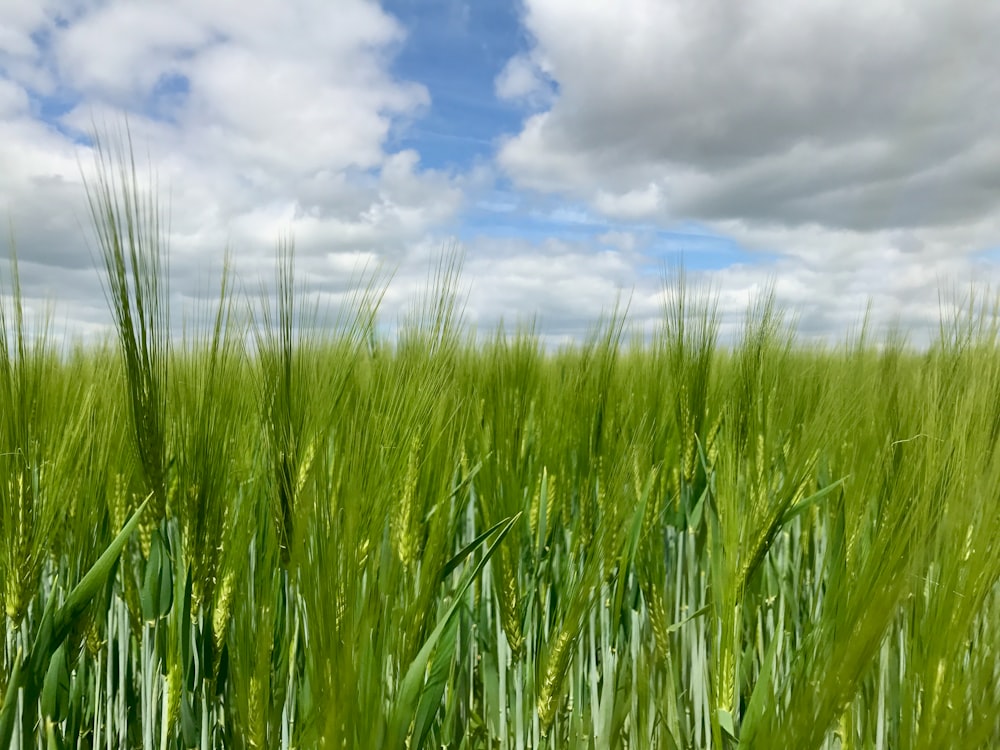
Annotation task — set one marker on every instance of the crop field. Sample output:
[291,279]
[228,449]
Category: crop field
[285,530]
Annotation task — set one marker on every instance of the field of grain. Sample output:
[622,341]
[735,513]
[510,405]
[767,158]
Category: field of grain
[286,531]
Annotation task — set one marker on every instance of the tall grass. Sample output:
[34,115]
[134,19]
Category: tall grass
[443,540]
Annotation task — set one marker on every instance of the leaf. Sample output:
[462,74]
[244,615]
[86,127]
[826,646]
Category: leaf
[413,682]
[468,549]
[543,501]
[54,737]
[157,593]
[190,720]
[437,679]
[697,510]
[630,546]
[55,688]
[763,696]
[803,505]
[80,596]
[726,723]
[681,623]
[10,699]
[52,631]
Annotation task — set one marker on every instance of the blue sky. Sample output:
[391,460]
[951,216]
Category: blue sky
[457,50]
[838,152]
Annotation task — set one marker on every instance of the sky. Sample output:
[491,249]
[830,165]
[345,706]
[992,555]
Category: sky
[843,153]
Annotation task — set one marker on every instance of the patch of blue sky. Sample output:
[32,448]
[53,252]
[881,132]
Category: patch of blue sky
[50,109]
[526,227]
[456,49]
[991,254]
[49,105]
[510,215]
[162,103]
[167,97]
[698,249]
[506,212]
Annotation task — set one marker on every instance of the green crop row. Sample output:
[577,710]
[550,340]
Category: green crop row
[285,531]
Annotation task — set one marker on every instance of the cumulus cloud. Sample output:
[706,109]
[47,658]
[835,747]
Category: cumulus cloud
[854,149]
[858,141]
[634,204]
[570,284]
[809,112]
[258,120]
[524,79]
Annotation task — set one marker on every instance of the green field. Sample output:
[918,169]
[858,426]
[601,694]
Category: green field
[334,539]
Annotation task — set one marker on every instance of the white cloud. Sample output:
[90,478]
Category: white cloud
[120,50]
[626,242]
[640,203]
[13,99]
[566,285]
[524,79]
[854,147]
[279,125]
[859,143]
[805,103]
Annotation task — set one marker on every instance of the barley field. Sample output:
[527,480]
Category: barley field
[285,530]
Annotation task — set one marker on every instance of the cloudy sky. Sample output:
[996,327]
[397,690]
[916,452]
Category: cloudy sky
[845,151]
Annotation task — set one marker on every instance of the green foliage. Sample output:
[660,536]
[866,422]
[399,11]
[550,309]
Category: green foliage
[443,541]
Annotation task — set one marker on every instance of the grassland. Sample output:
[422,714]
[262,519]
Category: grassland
[284,531]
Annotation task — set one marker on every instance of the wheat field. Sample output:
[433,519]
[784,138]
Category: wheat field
[286,530]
